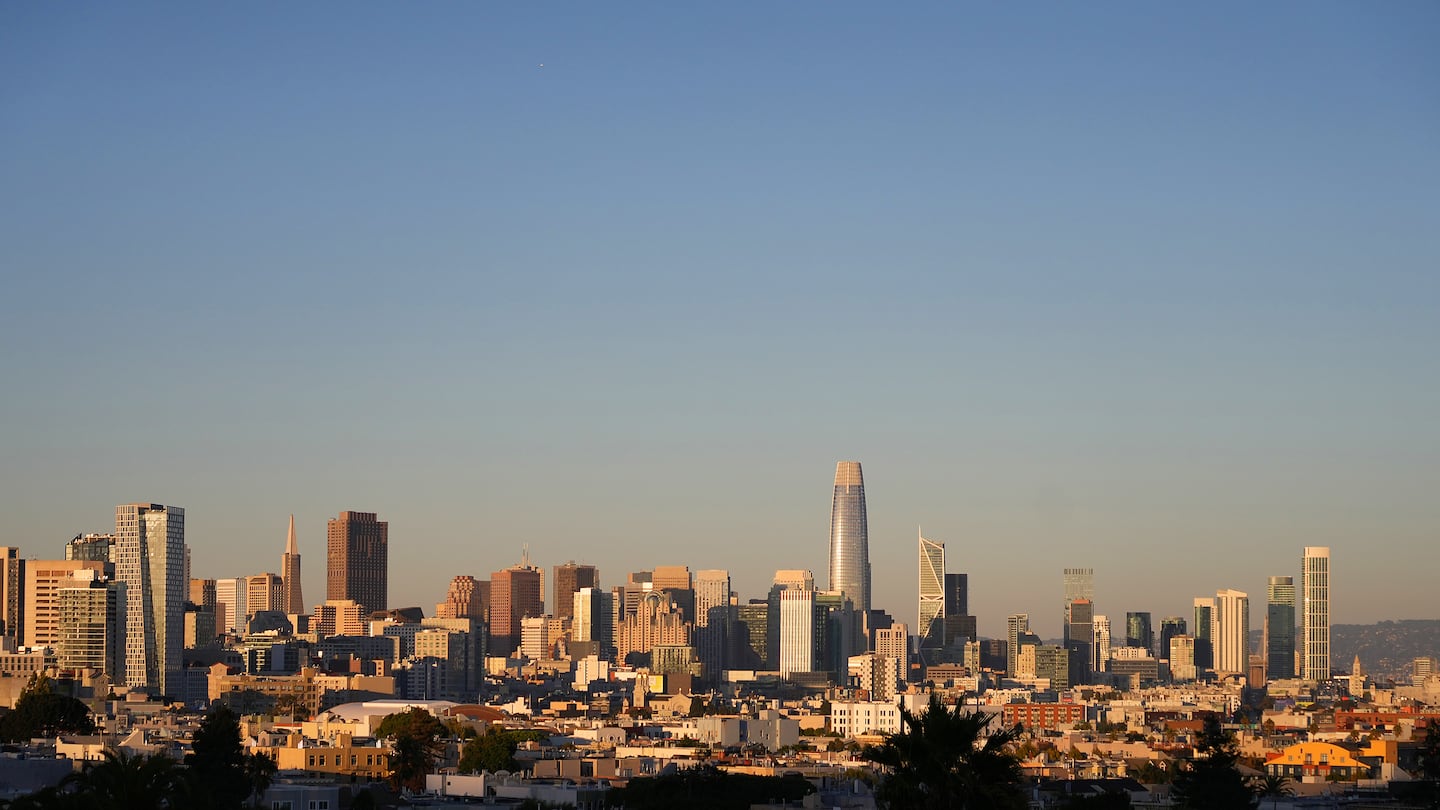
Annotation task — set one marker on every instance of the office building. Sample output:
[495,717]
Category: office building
[785,579]
[264,592]
[569,579]
[464,600]
[1170,627]
[1138,632]
[750,639]
[1080,639]
[294,598]
[92,547]
[230,604]
[1101,627]
[850,536]
[1279,641]
[797,632]
[1204,627]
[657,621]
[339,617]
[932,593]
[1015,627]
[677,580]
[1230,632]
[358,560]
[516,593]
[1079,584]
[12,594]
[1182,658]
[712,620]
[150,560]
[593,623]
[91,610]
[43,581]
[1315,629]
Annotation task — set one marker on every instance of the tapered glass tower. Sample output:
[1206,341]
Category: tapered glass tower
[932,593]
[849,538]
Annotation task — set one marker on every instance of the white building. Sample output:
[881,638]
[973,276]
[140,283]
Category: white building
[797,631]
[851,719]
[1230,631]
[1315,622]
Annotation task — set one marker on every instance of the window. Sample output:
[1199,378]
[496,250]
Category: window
[281,805]
[320,804]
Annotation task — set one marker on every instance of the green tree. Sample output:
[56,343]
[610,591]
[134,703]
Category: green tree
[492,751]
[1274,787]
[1211,779]
[41,712]
[259,773]
[216,766]
[944,758]
[130,782]
[416,734]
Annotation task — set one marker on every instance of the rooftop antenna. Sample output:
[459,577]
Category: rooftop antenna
[525,555]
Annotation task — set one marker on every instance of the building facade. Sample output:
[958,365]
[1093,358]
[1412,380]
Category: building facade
[358,560]
[1280,628]
[294,598]
[1231,631]
[150,560]
[850,536]
[569,579]
[932,593]
[1315,636]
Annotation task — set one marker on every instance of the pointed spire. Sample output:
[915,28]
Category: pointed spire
[290,547]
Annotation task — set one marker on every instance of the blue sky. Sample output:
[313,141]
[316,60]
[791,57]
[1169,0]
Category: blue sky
[1151,289]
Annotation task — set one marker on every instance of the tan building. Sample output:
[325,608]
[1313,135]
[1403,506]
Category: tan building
[516,593]
[43,581]
[264,592]
[657,620]
[465,600]
[340,756]
[569,579]
[339,617]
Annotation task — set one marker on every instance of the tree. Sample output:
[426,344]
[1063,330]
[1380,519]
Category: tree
[492,751]
[40,712]
[416,734]
[944,758]
[1429,760]
[1212,780]
[259,773]
[132,782]
[216,768]
[1273,786]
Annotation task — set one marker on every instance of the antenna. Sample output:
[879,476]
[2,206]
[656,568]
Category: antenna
[525,555]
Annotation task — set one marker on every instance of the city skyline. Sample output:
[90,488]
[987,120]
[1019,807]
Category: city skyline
[1148,290]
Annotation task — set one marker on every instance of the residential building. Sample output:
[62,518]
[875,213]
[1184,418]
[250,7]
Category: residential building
[92,624]
[1315,631]
[43,581]
[150,560]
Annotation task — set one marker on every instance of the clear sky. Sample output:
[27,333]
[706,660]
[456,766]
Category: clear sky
[1150,288]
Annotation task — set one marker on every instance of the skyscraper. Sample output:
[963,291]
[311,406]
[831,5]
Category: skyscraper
[12,588]
[294,601]
[150,560]
[1101,626]
[516,593]
[1280,627]
[1079,584]
[1315,585]
[1015,627]
[1231,631]
[1079,624]
[1170,627]
[1204,627]
[91,610]
[593,617]
[358,562]
[932,592]
[797,632]
[569,579]
[1138,632]
[712,620]
[850,537]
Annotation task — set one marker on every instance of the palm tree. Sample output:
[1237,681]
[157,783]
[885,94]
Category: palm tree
[134,782]
[1273,786]
[259,772]
[943,759]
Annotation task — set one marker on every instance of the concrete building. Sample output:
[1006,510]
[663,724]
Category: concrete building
[712,620]
[569,579]
[465,599]
[264,592]
[12,590]
[230,604]
[797,632]
[1231,631]
[516,593]
[92,624]
[1315,633]
[43,581]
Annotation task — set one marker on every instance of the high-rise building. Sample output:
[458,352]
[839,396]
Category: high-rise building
[1204,628]
[797,632]
[294,600]
[358,560]
[593,621]
[569,579]
[150,559]
[230,604]
[1102,643]
[1170,627]
[464,600]
[1231,631]
[12,590]
[677,580]
[712,620]
[1079,584]
[1280,628]
[750,641]
[91,610]
[264,592]
[1315,634]
[1015,627]
[43,581]
[92,547]
[1080,639]
[932,592]
[850,536]
[957,594]
[657,621]
[785,579]
[516,593]
[1182,658]
[894,642]
[1138,632]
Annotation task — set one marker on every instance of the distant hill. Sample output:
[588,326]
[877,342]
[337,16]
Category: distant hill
[1385,649]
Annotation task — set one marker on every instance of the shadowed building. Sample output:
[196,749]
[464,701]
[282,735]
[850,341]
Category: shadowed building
[294,599]
[569,579]
[358,560]
[1280,628]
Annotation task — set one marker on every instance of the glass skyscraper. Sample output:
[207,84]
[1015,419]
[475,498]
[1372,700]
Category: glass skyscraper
[1280,628]
[932,592]
[849,537]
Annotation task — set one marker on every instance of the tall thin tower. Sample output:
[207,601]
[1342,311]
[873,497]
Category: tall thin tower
[849,537]
[294,601]
[932,593]
[1315,588]
[150,560]
[1280,628]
